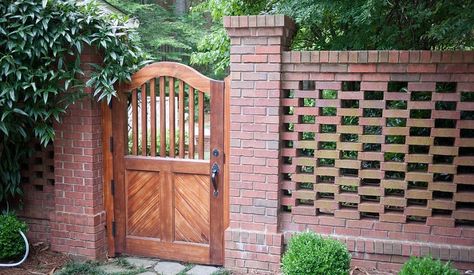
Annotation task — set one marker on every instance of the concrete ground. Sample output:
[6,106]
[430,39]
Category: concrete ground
[146,266]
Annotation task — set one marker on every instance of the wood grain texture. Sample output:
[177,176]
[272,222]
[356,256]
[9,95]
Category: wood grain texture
[153,117]
[201,126]
[143,203]
[144,119]
[172,251]
[192,208]
[108,167]
[172,69]
[217,143]
[227,81]
[191,122]
[172,122]
[181,118]
[120,134]
[164,205]
[162,118]
[134,122]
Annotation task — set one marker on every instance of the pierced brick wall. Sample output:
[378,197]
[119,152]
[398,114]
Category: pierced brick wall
[378,151]
[38,186]
[374,148]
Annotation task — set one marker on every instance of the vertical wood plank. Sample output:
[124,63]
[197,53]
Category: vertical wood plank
[181,119]
[144,119]
[191,122]
[134,122]
[162,117]
[172,117]
[216,241]
[226,150]
[201,125]
[108,175]
[153,117]
[167,206]
[120,134]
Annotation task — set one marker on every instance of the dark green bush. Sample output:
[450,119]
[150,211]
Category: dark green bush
[427,266]
[11,242]
[309,253]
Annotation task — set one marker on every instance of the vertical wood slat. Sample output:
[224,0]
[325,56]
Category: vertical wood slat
[172,117]
[191,122]
[181,119]
[162,117]
[144,119]
[153,117]
[108,165]
[201,125]
[134,122]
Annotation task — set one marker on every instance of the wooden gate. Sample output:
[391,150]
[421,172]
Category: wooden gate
[165,165]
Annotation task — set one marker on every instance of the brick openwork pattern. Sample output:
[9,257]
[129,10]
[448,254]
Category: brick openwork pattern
[375,149]
[392,143]
[38,185]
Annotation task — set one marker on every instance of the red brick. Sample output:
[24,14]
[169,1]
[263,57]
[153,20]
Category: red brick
[267,49]
[254,58]
[362,68]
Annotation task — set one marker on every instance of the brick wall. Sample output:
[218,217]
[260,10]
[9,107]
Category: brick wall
[374,148]
[38,186]
[253,240]
[78,221]
[63,202]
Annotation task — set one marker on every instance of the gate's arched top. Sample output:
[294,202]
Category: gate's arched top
[177,70]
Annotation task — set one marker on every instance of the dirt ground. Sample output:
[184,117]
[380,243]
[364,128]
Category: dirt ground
[41,261]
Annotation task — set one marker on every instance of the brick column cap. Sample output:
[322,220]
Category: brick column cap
[258,21]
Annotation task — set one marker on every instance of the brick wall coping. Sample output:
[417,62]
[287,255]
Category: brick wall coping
[258,21]
[378,56]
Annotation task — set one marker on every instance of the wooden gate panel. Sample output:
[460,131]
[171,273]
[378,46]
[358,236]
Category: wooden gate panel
[143,204]
[192,207]
[166,204]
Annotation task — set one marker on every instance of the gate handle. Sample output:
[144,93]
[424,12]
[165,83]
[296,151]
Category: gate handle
[214,172]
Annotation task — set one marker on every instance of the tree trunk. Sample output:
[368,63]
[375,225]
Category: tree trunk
[180,7]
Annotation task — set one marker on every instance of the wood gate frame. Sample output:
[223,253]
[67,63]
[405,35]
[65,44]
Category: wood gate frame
[176,70]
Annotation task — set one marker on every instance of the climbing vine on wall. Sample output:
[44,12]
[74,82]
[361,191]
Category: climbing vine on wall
[40,47]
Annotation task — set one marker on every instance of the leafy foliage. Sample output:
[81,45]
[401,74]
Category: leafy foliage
[41,75]
[309,253]
[365,24]
[163,35]
[427,266]
[11,242]
[350,25]
[213,48]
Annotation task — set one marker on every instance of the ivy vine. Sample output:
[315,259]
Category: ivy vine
[40,71]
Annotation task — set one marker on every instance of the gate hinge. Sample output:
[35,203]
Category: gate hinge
[111,144]
[112,187]
[113,229]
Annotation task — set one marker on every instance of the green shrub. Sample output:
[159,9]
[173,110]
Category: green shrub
[427,266]
[11,242]
[309,253]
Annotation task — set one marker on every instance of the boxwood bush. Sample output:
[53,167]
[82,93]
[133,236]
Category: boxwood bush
[11,242]
[427,266]
[309,253]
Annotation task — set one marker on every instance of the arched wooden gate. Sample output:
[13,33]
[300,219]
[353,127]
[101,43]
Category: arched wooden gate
[165,193]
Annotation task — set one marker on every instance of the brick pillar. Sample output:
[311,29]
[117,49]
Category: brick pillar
[78,220]
[253,242]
